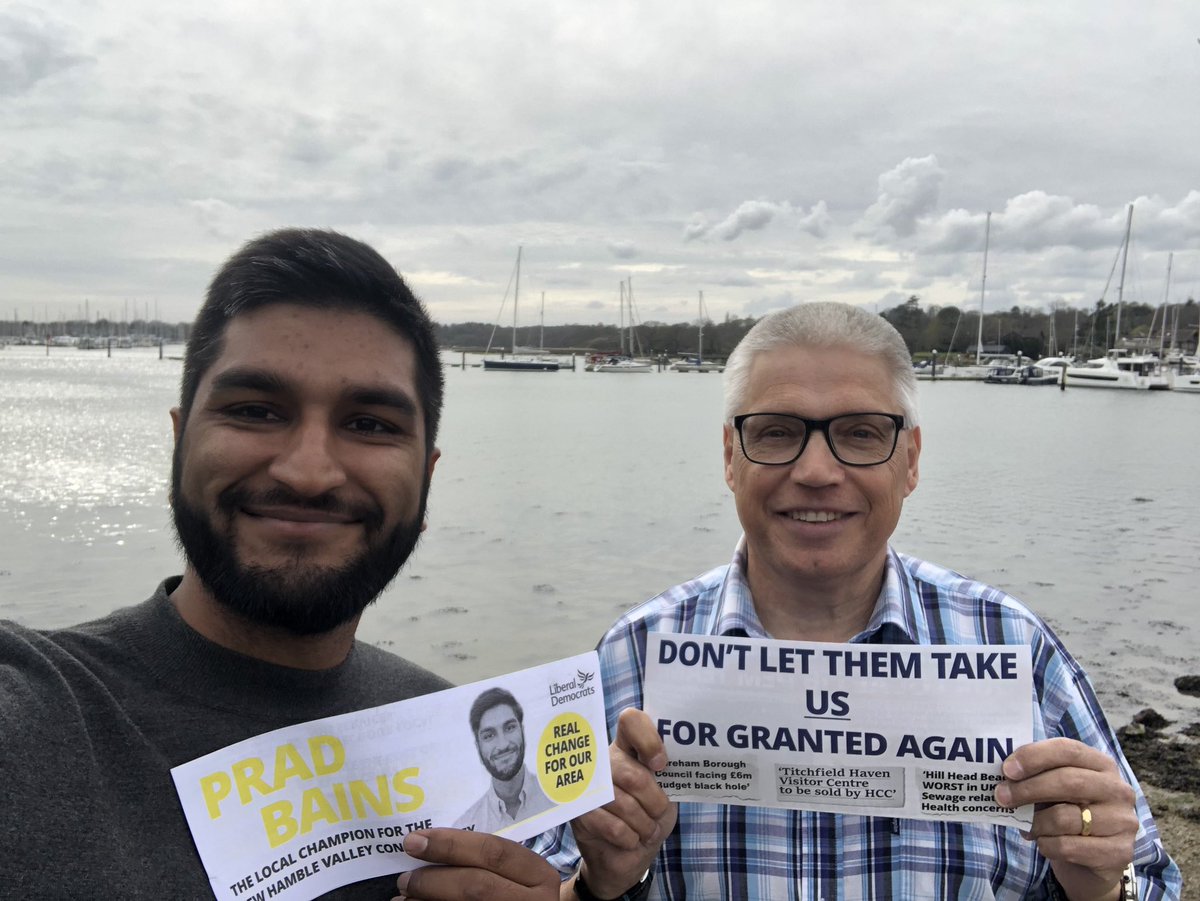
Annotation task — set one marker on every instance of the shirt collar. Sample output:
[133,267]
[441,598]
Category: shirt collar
[498,803]
[735,611]
[896,619]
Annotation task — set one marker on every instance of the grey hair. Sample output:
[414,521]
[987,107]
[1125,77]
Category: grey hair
[823,324]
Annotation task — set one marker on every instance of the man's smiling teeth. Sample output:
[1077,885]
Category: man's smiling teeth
[814,515]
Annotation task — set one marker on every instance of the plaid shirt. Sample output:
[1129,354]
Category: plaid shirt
[727,851]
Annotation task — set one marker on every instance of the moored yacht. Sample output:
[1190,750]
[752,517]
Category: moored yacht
[1188,381]
[1120,370]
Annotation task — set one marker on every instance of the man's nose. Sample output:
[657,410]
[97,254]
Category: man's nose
[817,465]
[308,462]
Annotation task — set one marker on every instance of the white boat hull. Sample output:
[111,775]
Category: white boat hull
[1188,382]
[625,367]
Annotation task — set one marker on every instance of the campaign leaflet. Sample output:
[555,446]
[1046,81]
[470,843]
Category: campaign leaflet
[909,731]
[295,813]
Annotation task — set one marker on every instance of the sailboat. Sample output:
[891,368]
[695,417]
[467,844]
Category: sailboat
[981,370]
[517,362]
[698,364]
[624,361]
[1118,368]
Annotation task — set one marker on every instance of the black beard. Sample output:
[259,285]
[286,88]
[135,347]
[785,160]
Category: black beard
[302,600]
[503,775]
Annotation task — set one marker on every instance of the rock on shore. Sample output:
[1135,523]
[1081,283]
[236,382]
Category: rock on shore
[1168,767]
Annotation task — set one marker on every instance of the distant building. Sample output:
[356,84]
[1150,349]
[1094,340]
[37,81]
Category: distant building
[997,350]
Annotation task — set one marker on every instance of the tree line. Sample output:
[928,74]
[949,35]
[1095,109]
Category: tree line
[1079,332]
[651,338]
[948,330]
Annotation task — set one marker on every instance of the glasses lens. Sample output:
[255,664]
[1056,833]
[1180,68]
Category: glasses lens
[857,439]
[863,438]
[767,438]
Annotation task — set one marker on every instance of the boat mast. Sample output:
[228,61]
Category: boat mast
[542,325]
[621,320]
[629,301]
[1162,338]
[1121,283]
[987,234]
[516,294]
[700,336]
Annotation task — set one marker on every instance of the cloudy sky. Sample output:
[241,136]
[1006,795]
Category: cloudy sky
[765,152]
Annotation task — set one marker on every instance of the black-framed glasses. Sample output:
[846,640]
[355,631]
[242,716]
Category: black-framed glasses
[856,439]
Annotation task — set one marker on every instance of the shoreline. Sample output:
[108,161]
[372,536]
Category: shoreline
[1167,765]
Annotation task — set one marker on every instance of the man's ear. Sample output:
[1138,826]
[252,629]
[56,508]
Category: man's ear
[434,456]
[914,456]
[729,443]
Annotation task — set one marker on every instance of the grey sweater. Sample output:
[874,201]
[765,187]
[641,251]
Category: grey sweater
[92,719]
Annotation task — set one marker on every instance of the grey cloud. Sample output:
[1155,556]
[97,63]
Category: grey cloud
[755,215]
[623,250]
[217,218]
[31,51]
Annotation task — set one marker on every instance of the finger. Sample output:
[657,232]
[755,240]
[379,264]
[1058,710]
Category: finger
[634,784]
[637,736]
[1053,753]
[623,827]
[633,816]
[1067,820]
[480,851]
[1106,855]
[1067,784]
[466,884]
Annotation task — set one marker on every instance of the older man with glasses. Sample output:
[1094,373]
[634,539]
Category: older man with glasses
[822,445]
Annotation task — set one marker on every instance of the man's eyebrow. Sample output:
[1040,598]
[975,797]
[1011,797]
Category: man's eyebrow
[245,378]
[380,396]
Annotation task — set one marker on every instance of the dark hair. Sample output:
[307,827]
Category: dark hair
[317,268]
[494,697]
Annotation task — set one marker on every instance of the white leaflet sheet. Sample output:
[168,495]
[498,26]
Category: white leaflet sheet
[297,812]
[909,731]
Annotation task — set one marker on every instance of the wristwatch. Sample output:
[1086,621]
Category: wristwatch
[1129,891]
[639,892]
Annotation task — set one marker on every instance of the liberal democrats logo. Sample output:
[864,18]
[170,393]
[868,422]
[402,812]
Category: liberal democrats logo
[581,686]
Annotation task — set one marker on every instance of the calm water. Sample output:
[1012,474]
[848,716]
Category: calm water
[562,499]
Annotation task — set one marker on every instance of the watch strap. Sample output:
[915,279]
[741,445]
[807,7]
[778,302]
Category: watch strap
[639,892]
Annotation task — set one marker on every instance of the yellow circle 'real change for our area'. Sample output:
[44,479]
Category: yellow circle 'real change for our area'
[566,757]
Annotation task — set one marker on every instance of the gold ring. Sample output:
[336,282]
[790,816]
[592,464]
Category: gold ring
[1085,813]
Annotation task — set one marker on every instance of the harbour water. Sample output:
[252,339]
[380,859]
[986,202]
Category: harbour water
[563,499]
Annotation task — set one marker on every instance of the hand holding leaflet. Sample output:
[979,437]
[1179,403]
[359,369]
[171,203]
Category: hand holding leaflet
[618,842]
[1065,779]
[294,813]
[475,865]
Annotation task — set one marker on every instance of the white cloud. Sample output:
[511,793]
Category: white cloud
[907,194]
